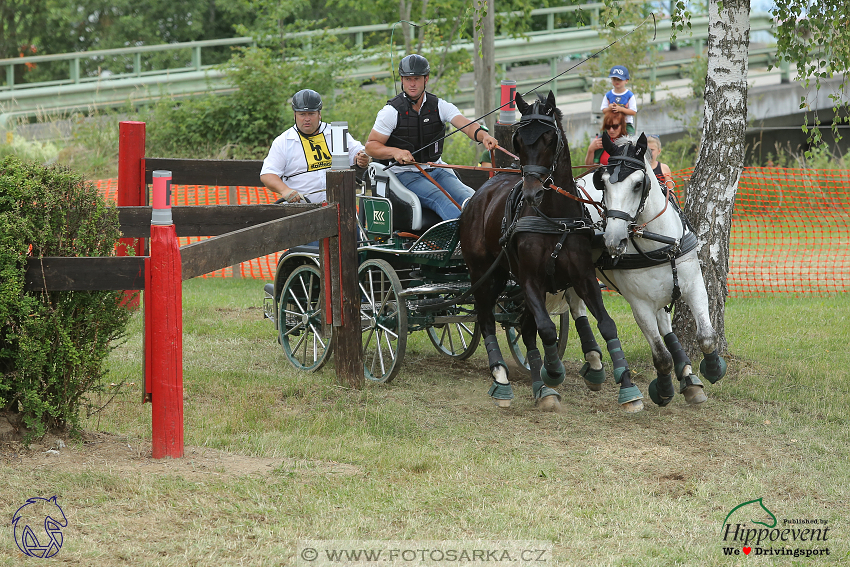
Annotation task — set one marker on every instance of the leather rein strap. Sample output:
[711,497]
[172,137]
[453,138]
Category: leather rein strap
[431,179]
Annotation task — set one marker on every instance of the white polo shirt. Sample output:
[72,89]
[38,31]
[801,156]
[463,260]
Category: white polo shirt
[387,121]
[302,162]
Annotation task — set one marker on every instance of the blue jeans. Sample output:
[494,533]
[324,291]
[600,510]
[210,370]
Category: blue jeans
[430,196]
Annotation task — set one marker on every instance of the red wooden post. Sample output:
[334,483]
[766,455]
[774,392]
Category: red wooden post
[148,319]
[166,310]
[131,183]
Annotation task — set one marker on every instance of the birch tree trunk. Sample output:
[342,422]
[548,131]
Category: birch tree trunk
[484,65]
[711,194]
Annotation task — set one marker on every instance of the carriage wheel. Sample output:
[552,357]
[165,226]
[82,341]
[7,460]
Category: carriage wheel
[517,347]
[383,320]
[300,320]
[456,340]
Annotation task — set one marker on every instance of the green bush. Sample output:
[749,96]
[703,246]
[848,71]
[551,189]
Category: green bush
[53,344]
[241,125]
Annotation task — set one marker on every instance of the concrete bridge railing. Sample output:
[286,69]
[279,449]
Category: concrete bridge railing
[137,86]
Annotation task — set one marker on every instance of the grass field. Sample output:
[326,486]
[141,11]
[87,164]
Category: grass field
[275,457]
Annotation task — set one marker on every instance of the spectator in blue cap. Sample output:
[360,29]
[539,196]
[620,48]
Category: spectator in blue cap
[620,99]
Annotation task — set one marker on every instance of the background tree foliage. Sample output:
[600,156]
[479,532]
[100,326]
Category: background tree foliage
[632,50]
[53,344]
[815,36]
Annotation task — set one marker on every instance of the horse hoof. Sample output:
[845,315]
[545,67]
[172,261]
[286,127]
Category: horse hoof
[592,378]
[549,403]
[713,375]
[550,380]
[502,394]
[694,395]
[656,396]
[545,398]
[632,407]
[629,394]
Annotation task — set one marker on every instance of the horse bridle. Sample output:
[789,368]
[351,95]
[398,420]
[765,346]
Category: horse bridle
[544,174]
[615,167]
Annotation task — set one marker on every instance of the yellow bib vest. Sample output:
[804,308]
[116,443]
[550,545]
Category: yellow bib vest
[316,151]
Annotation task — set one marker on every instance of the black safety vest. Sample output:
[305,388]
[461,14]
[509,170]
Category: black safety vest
[417,130]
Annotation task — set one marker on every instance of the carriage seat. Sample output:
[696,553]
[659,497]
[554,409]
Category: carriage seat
[408,212]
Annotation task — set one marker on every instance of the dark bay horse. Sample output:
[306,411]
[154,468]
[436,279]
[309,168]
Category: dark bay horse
[518,226]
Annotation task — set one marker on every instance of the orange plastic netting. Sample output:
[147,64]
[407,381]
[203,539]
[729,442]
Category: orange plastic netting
[790,229]
[790,232]
[188,195]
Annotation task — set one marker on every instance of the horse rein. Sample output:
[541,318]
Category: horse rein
[440,187]
[640,228]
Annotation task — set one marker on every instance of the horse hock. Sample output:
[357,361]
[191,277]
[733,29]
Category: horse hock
[545,398]
[553,371]
[592,371]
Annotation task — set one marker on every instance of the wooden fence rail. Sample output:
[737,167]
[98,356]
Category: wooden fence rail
[238,233]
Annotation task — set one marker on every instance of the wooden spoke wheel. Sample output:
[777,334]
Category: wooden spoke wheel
[301,315]
[456,339]
[383,320]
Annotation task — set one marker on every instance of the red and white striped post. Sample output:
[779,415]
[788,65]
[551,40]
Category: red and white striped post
[507,111]
[505,125]
[132,191]
[165,295]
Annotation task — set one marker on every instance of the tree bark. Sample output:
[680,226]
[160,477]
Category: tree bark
[710,198]
[404,9]
[484,59]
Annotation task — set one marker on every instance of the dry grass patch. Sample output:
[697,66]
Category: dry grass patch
[275,457]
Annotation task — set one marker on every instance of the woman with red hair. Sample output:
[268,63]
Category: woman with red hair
[615,124]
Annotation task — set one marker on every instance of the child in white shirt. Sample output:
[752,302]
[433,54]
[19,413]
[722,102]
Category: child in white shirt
[619,98]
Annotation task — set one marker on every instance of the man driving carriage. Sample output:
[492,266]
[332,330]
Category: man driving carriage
[298,159]
[410,130]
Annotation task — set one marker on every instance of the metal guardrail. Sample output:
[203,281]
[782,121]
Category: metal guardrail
[196,48]
[138,86]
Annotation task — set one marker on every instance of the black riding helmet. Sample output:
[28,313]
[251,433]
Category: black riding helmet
[306,100]
[414,66]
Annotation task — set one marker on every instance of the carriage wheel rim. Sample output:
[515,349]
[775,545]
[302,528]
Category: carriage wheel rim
[385,337]
[304,343]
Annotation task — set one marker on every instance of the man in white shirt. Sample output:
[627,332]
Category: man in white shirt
[414,121]
[299,158]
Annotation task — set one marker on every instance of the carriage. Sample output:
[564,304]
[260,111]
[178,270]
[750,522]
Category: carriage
[412,277]
[409,282]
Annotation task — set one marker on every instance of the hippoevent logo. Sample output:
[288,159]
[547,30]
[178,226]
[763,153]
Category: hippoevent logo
[37,527]
[754,529]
